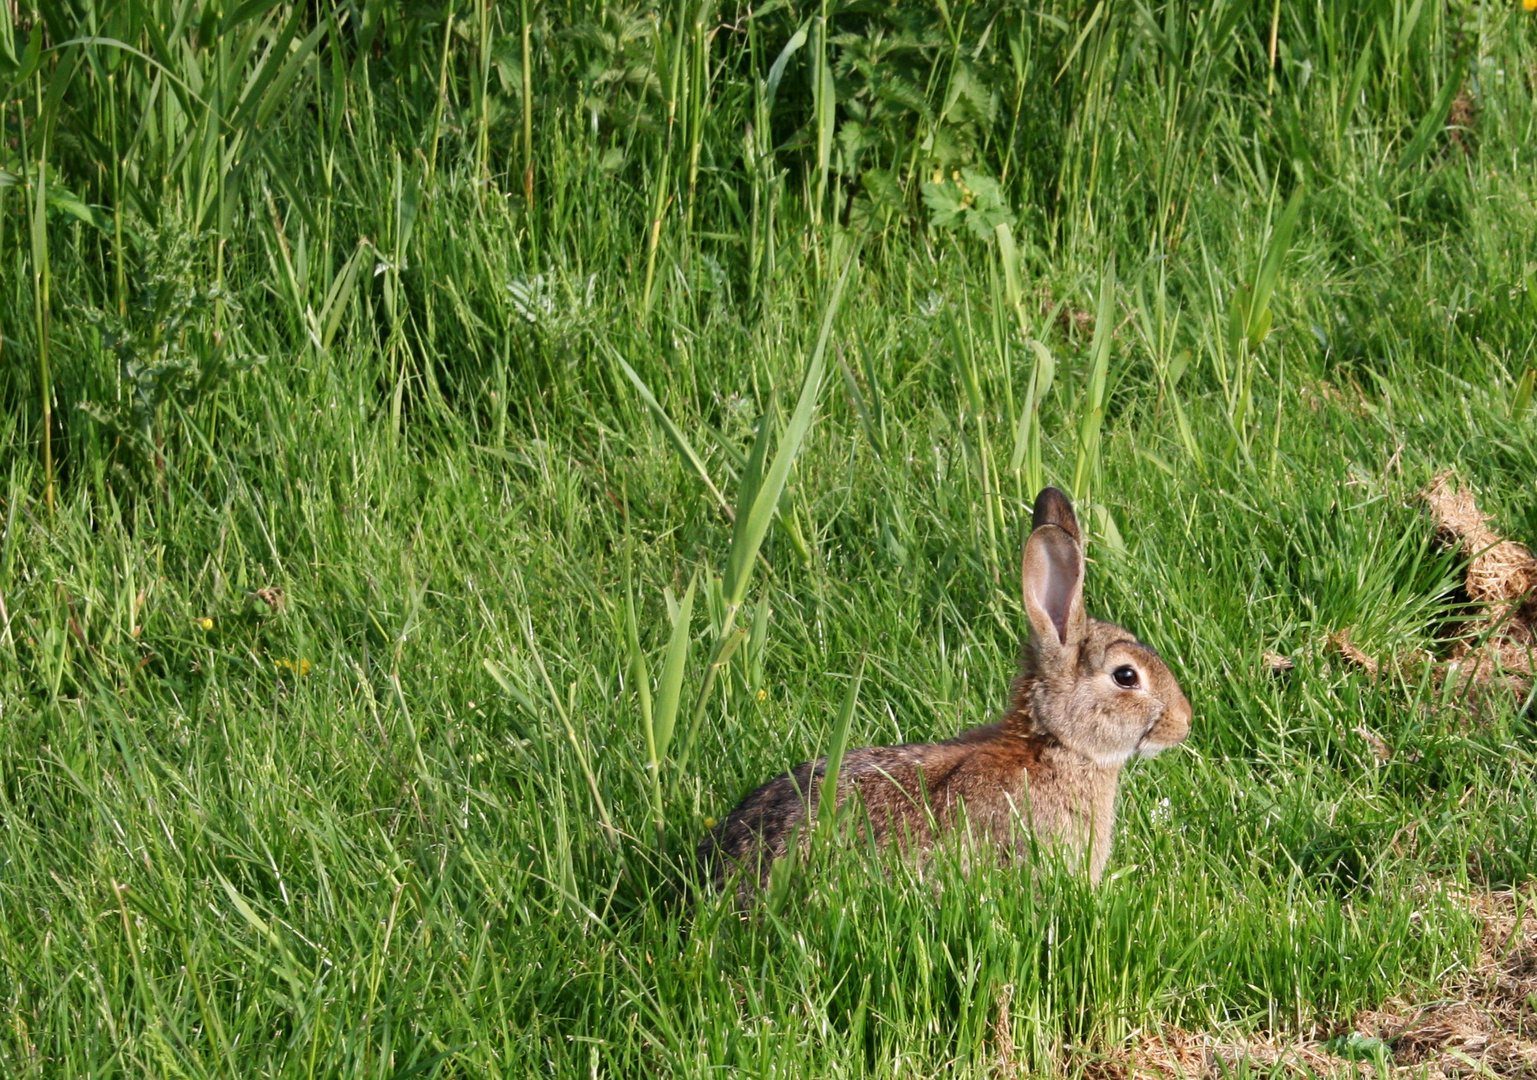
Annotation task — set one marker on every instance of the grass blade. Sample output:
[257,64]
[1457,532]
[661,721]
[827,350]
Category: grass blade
[670,689]
[642,679]
[756,510]
[341,294]
[827,805]
[1086,469]
[675,435]
[1430,125]
[1258,323]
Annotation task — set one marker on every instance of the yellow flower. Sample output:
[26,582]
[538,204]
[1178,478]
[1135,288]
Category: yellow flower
[709,823]
[206,623]
[762,695]
[298,667]
[1530,5]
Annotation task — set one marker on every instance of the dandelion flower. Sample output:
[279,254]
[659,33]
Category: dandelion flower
[205,622]
[1529,5]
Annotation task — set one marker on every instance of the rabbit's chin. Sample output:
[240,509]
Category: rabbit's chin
[1151,749]
[1102,757]
[1113,758]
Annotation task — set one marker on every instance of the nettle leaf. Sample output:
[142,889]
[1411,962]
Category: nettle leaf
[989,208]
[985,191]
[882,187]
[61,198]
[969,98]
[974,200]
[944,200]
[854,138]
[945,149]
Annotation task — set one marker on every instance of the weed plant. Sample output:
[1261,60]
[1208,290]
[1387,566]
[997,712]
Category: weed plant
[453,451]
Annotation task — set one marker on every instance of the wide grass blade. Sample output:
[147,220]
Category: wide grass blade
[757,506]
[1086,467]
[641,677]
[340,295]
[827,804]
[1431,124]
[670,689]
[675,435]
[1257,323]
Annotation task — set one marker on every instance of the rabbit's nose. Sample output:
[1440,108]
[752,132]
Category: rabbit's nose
[1172,725]
[1176,719]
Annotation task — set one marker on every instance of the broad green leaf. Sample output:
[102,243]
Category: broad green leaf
[752,471]
[670,691]
[827,805]
[1087,465]
[674,434]
[639,674]
[1027,433]
[753,517]
[1431,124]
[1258,318]
[777,70]
[341,294]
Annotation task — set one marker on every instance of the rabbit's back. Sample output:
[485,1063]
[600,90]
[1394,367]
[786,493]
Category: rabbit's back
[905,793]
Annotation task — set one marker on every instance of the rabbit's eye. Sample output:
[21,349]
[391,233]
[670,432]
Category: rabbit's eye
[1125,677]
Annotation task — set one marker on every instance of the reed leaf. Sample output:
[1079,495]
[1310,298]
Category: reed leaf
[827,804]
[675,435]
[1086,466]
[670,689]
[756,507]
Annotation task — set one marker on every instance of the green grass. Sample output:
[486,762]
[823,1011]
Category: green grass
[278,313]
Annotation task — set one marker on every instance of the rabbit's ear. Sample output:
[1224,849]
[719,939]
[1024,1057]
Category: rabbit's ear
[1052,580]
[1052,507]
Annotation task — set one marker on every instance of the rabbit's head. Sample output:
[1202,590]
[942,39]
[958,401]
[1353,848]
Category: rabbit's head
[1091,684]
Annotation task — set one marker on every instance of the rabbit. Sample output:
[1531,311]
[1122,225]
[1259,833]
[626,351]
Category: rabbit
[1088,697]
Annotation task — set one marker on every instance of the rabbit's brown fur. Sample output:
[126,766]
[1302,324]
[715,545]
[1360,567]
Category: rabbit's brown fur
[1052,761]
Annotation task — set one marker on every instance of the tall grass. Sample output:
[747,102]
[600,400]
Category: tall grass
[453,451]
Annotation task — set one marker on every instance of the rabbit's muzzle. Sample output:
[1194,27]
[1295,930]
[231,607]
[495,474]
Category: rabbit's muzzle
[1170,726]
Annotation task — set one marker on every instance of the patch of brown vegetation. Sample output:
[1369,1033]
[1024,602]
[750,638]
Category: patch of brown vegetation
[1340,642]
[1319,393]
[1485,1022]
[1501,573]
[1275,663]
[1489,665]
[1073,322]
[272,596]
[1482,1022]
[1404,665]
[1495,650]
[1177,1054]
[1501,576]
[1003,1036]
[1462,121]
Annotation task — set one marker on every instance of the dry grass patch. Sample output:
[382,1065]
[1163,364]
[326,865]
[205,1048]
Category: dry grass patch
[1481,1022]
[1495,649]
[1485,1021]
[1502,578]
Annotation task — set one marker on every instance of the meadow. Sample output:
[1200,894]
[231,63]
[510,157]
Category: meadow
[451,451]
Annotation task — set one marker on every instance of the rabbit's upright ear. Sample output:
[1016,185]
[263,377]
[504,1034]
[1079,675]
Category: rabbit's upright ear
[1052,507]
[1052,581]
